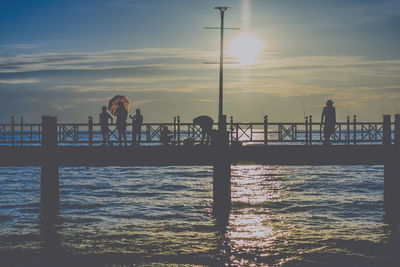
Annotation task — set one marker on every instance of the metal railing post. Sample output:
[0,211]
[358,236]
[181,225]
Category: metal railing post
[12,132]
[22,131]
[354,129]
[174,129]
[362,131]
[237,131]
[310,127]
[397,129]
[348,130]
[266,130]
[90,130]
[132,135]
[179,129]
[147,133]
[306,129]
[231,128]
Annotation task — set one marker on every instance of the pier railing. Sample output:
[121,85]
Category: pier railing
[350,132]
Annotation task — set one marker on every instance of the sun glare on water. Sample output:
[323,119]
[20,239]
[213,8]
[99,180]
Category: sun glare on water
[246,48]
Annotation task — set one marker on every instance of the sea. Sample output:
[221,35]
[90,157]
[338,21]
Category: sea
[163,216]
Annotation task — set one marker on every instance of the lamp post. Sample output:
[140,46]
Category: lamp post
[221,61]
[221,117]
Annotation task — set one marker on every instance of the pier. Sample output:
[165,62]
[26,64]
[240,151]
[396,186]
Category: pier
[50,144]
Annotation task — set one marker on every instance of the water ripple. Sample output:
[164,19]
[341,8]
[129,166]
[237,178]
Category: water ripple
[163,216]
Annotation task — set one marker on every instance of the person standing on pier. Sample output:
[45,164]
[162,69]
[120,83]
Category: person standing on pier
[122,115]
[137,121]
[103,121]
[328,119]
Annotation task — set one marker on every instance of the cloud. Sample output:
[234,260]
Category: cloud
[172,80]
[22,46]
[102,60]
[21,81]
[145,80]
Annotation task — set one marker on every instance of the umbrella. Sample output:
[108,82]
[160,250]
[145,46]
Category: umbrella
[113,103]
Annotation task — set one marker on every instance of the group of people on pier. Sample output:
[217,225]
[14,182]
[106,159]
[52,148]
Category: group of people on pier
[137,120]
[121,124]
[328,120]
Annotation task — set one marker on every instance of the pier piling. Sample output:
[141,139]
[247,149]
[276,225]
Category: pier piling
[391,188]
[49,184]
[391,171]
[222,187]
[222,171]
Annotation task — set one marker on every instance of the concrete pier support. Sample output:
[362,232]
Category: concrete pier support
[222,171]
[222,187]
[49,184]
[392,189]
[391,170]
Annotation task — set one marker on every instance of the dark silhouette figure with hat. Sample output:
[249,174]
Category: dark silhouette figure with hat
[328,119]
[122,115]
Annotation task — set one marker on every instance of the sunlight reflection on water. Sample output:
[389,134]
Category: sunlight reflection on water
[250,228]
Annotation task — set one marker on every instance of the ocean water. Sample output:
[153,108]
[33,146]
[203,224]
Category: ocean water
[160,216]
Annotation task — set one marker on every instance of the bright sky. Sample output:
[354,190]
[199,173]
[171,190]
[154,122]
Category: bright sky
[68,58]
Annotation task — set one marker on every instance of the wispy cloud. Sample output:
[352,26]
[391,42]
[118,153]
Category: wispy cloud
[20,81]
[22,46]
[177,77]
[117,59]
[158,79]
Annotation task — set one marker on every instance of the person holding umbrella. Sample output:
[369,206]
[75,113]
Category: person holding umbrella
[119,107]
[122,115]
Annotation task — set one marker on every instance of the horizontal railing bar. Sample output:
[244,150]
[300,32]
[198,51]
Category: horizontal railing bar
[186,123]
[24,124]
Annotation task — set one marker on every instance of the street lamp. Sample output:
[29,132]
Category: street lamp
[221,119]
[222,10]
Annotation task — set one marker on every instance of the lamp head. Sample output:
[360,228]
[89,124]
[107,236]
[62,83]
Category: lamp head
[222,8]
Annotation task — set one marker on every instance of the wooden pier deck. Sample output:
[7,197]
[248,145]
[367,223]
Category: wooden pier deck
[198,155]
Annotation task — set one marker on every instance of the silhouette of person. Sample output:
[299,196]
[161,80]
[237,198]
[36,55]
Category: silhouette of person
[165,136]
[328,119]
[122,115]
[206,124]
[104,116]
[137,121]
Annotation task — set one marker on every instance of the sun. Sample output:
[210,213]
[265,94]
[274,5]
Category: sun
[246,48]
